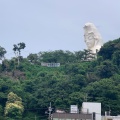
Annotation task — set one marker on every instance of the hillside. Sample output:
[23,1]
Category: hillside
[65,85]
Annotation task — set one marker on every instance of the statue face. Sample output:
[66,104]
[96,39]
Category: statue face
[89,40]
[92,37]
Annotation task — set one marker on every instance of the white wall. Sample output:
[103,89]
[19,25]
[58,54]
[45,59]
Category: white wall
[92,107]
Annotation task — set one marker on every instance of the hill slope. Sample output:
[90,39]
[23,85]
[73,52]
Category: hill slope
[65,85]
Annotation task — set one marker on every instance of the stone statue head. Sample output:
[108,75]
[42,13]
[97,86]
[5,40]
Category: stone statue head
[92,37]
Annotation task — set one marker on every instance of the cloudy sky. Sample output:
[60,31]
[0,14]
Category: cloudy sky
[45,25]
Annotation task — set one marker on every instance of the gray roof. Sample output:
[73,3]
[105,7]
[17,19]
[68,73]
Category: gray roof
[72,115]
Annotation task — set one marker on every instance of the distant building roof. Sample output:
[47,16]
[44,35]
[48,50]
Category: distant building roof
[71,116]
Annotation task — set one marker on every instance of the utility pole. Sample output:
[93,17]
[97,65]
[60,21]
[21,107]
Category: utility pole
[50,110]
[109,110]
[86,97]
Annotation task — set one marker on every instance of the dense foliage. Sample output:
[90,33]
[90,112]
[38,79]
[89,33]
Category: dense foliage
[14,108]
[74,82]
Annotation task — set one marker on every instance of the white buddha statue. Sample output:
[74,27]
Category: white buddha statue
[92,37]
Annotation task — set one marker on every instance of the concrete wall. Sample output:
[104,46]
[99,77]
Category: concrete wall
[110,117]
[91,107]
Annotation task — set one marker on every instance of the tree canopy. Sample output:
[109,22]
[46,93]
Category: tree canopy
[63,86]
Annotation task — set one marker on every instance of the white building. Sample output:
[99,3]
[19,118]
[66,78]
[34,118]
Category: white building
[74,109]
[90,107]
[111,117]
[50,64]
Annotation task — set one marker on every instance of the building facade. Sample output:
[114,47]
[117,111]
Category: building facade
[92,107]
[50,64]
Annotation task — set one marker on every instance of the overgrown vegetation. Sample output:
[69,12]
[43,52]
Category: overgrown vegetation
[65,85]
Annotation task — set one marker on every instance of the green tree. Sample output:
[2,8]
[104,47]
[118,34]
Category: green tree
[79,55]
[109,48]
[2,53]
[1,110]
[14,108]
[116,58]
[33,58]
[106,69]
[106,92]
[5,65]
[88,55]
[17,50]
[57,56]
